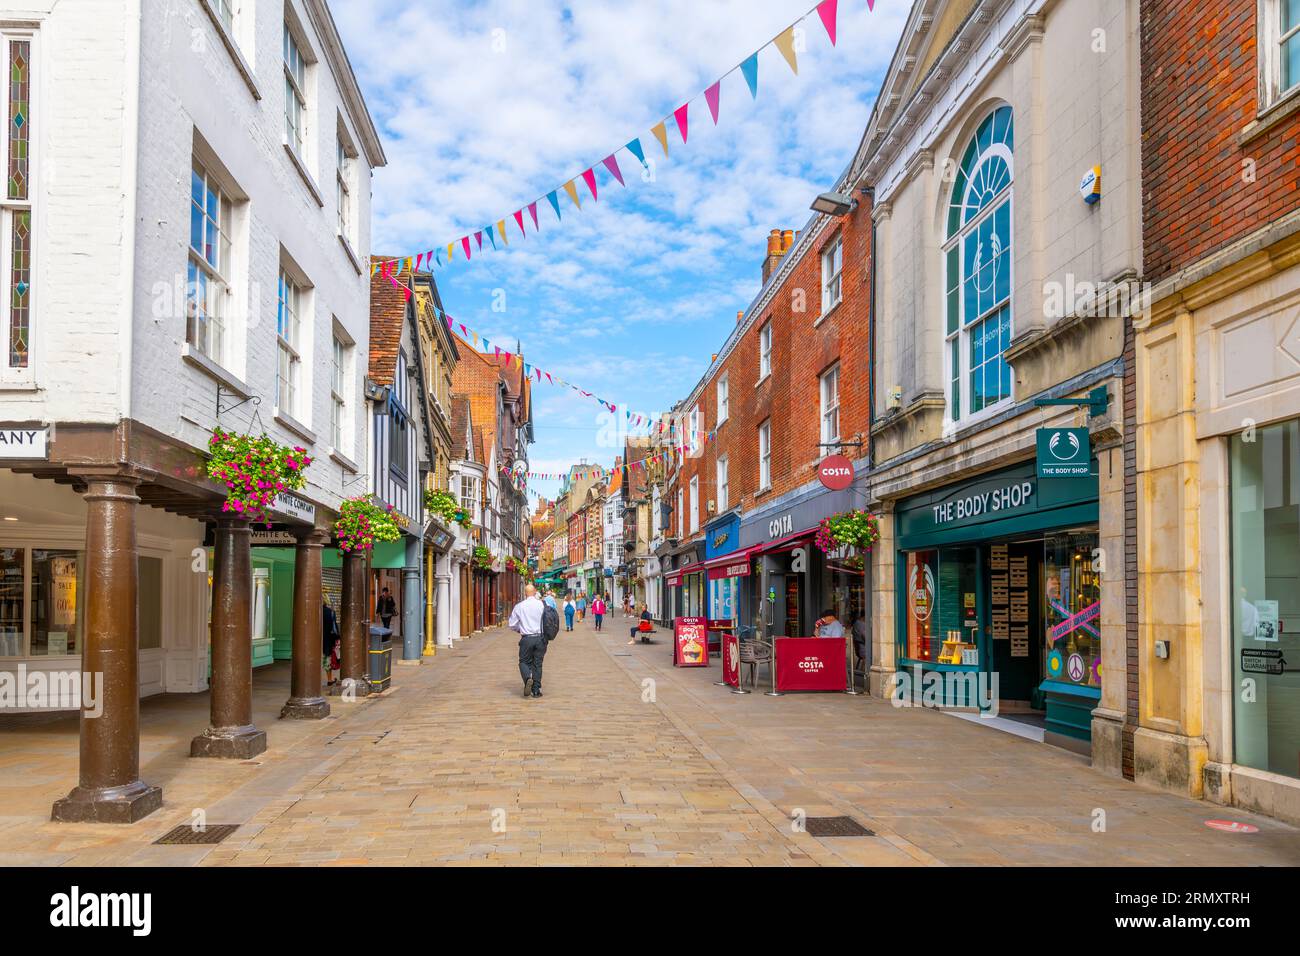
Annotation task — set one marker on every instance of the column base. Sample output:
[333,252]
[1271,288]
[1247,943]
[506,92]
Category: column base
[305,708]
[1108,741]
[361,687]
[107,804]
[880,680]
[229,743]
[1170,761]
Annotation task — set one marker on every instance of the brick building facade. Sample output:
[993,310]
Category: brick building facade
[1215,414]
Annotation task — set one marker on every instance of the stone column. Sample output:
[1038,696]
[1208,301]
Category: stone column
[305,701]
[109,788]
[411,604]
[354,625]
[443,602]
[429,649]
[231,734]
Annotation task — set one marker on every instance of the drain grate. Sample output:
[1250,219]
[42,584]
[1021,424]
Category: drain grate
[351,736]
[187,835]
[836,827]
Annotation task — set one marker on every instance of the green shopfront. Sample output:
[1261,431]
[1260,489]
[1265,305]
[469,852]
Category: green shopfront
[999,576]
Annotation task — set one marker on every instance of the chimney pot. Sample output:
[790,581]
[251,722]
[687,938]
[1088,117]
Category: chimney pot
[787,240]
[740,315]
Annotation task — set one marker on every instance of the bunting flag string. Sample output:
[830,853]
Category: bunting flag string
[634,419]
[600,471]
[785,42]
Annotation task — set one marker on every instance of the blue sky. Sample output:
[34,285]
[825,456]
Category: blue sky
[484,106]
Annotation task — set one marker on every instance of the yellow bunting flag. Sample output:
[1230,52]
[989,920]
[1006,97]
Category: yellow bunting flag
[785,43]
[450,246]
[661,134]
[501,231]
[572,190]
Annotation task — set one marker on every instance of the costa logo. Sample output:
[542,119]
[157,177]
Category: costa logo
[812,664]
[835,472]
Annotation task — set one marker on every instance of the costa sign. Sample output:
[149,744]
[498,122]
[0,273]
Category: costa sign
[835,472]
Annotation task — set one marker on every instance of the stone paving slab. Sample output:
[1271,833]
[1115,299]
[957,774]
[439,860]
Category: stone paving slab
[453,767]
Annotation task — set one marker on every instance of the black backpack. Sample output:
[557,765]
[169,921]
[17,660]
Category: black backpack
[550,623]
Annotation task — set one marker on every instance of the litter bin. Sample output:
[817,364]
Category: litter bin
[380,673]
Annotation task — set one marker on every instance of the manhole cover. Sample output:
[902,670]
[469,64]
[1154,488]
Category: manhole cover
[835,827]
[186,834]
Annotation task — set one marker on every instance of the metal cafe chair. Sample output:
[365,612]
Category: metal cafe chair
[752,652]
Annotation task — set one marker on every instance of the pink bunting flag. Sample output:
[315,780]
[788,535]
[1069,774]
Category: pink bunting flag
[464,242]
[464,331]
[826,10]
[532,211]
[419,259]
[519,218]
[589,177]
[478,236]
[612,165]
[711,96]
[679,115]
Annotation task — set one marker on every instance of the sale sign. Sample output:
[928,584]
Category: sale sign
[811,663]
[731,659]
[690,642]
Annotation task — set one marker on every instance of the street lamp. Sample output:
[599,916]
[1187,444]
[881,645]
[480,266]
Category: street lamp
[834,204]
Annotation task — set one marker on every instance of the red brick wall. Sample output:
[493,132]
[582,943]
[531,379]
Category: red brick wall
[803,347]
[1199,92]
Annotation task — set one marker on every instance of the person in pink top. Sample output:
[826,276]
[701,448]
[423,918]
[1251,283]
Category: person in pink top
[598,610]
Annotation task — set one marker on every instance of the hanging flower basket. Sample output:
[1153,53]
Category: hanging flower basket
[254,471]
[445,506]
[857,529]
[362,522]
[482,557]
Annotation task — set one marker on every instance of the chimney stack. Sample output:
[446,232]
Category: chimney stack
[774,252]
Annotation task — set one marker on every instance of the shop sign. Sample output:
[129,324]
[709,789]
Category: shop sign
[780,526]
[737,569]
[292,506]
[1064,453]
[974,506]
[270,538]
[690,642]
[1258,660]
[24,443]
[835,472]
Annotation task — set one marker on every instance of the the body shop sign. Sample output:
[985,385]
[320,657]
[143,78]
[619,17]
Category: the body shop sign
[970,507]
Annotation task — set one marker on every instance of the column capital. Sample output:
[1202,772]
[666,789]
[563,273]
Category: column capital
[311,537]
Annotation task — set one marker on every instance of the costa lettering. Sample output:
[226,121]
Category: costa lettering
[1007,498]
[812,664]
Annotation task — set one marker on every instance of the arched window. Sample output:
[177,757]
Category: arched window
[977,271]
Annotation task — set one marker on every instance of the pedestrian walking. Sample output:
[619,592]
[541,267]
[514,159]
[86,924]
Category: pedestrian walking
[598,610]
[330,644]
[526,620]
[549,600]
[385,607]
[582,606]
[570,609]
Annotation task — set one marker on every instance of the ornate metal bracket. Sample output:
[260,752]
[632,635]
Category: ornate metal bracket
[223,409]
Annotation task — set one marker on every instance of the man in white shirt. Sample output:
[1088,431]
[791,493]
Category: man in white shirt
[526,621]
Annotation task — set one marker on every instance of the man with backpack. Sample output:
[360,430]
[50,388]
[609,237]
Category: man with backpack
[536,624]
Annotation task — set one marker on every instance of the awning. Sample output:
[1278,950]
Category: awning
[736,564]
[674,580]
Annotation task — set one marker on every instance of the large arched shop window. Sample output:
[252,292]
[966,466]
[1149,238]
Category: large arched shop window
[977,271]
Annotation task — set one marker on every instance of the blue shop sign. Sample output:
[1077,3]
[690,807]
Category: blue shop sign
[721,536]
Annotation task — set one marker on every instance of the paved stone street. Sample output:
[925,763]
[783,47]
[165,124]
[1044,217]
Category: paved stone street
[453,766]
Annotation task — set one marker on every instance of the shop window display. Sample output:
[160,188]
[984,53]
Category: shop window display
[57,612]
[1072,609]
[11,601]
[1265,508]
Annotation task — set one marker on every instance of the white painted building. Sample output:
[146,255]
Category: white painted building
[198,198]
